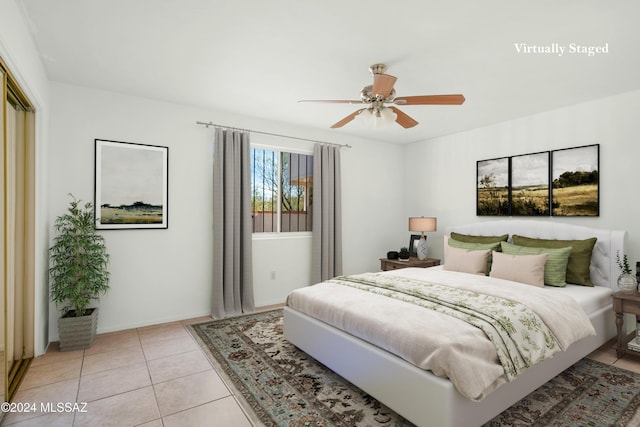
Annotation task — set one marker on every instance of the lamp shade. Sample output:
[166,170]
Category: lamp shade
[423,224]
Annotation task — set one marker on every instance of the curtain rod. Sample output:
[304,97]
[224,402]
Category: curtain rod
[209,124]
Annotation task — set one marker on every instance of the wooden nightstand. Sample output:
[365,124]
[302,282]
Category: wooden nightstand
[395,264]
[625,302]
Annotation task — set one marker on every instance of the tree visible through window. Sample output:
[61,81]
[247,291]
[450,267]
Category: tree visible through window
[281,194]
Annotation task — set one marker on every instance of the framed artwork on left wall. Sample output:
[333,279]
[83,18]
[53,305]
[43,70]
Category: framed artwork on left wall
[131,185]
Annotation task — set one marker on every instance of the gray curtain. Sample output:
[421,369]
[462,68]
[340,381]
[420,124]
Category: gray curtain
[232,261]
[327,213]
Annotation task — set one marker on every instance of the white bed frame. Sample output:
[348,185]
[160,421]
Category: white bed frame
[428,400]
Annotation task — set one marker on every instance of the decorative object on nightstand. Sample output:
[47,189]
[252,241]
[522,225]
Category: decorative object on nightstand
[404,254]
[626,281]
[422,224]
[634,344]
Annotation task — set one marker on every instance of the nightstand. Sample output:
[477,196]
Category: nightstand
[625,302]
[395,264]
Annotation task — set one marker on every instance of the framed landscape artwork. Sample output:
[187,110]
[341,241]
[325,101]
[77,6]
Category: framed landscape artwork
[530,184]
[492,187]
[575,181]
[562,182]
[131,185]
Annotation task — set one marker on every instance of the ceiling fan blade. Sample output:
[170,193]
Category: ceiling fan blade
[382,84]
[347,119]
[334,101]
[429,100]
[403,119]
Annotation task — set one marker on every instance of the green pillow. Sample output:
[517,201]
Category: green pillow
[578,266]
[555,269]
[477,247]
[478,239]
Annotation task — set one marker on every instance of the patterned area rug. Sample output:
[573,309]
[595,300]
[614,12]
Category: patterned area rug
[283,386]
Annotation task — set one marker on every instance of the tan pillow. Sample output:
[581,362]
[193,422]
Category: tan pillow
[465,260]
[474,247]
[528,269]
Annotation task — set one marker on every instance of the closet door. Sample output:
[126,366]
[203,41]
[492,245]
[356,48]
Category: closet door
[3,261]
[18,233]
[14,234]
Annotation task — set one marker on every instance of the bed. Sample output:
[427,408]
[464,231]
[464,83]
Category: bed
[429,400]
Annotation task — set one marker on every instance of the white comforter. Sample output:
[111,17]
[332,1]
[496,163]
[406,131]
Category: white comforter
[447,346]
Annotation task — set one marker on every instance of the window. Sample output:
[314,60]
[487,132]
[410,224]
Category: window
[281,191]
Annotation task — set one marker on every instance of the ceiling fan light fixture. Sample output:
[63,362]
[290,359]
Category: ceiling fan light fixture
[378,117]
[388,116]
[366,116]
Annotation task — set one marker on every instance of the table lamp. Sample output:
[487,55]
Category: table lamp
[422,224]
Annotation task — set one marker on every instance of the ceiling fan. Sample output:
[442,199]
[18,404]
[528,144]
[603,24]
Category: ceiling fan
[381,93]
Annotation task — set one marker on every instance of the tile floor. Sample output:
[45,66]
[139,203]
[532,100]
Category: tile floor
[152,376]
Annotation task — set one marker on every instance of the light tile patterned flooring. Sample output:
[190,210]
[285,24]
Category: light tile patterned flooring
[152,376]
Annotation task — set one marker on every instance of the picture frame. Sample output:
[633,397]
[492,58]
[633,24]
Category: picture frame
[563,182]
[492,187]
[529,184]
[413,244]
[575,179]
[131,185]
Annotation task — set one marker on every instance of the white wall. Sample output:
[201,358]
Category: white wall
[449,163]
[19,53]
[164,275]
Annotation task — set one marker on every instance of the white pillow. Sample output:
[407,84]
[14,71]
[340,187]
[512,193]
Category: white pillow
[528,269]
[465,260]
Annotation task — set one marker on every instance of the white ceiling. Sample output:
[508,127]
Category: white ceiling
[258,57]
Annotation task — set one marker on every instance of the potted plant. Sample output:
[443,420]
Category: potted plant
[78,273]
[626,281]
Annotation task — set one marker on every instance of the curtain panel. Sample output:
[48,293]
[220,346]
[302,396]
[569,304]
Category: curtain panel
[327,213]
[232,257]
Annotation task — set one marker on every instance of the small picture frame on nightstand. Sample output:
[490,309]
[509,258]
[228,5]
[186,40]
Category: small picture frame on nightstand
[413,244]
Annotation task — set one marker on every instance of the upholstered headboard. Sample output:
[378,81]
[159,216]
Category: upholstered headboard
[604,270]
